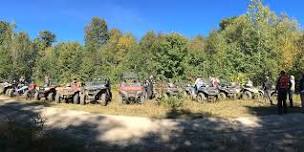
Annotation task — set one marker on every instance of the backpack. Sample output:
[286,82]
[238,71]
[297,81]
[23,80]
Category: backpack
[283,82]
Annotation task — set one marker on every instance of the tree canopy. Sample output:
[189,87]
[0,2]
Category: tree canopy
[253,45]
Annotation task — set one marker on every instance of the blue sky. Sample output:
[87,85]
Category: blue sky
[67,18]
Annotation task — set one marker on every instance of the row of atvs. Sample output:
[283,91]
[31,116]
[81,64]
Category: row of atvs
[223,92]
[92,92]
[130,92]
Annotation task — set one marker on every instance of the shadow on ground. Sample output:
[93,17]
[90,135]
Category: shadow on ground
[24,128]
[270,110]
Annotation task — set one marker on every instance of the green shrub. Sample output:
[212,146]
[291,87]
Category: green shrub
[172,102]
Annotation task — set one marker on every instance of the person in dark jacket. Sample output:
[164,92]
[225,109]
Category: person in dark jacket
[267,86]
[301,85]
[283,85]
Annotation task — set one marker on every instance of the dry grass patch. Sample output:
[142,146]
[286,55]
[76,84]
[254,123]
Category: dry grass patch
[189,109]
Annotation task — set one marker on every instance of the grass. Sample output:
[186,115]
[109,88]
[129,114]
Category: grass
[189,109]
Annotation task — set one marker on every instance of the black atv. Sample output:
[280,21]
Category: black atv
[250,92]
[96,91]
[206,92]
[228,91]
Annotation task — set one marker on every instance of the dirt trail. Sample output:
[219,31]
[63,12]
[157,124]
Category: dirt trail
[273,132]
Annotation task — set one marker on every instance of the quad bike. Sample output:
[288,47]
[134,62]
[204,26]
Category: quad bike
[67,93]
[207,93]
[131,90]
[17,89]
[166,90]
[228,91]
[98,91]
[4,86]
[273,94]
[172,90]
[46,92]
[250,92]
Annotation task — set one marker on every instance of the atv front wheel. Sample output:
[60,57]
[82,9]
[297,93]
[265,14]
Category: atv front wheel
[103,99]
[50,96]
[76,98]
[10,93]
[247,95]
[221,96]
[201,98]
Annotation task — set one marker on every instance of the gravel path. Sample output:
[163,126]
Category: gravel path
[268,133]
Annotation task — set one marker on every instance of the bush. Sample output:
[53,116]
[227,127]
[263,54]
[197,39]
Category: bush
[172,102]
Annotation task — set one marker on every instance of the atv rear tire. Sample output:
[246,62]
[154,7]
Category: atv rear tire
[201,98]
[50,97]
[247,95]
[76,98]
[6,92]
[221,96]
[103,99]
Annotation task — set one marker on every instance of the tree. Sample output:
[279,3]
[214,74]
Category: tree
[6,33]
[168,56]
[46,65]
[46,39]
[23,56]
[96,33]
[69,60]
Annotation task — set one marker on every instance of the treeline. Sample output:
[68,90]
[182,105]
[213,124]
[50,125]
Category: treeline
[253,45]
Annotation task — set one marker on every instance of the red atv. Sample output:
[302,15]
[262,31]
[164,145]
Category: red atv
[67,93]
[131,90]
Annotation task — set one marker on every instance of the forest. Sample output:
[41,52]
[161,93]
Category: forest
[254,45]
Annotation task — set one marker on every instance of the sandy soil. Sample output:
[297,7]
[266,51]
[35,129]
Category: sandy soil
[267,133]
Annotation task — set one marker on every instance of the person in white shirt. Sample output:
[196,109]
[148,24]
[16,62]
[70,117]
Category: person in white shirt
[291,90]
[198,83]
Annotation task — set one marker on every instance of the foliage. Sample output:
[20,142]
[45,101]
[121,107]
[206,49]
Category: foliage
[249,46]
[172,102]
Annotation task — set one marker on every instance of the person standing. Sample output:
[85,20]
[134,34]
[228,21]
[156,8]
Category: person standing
[291,90]
[267,85]
[301,85]
[283,85]
[46,81]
